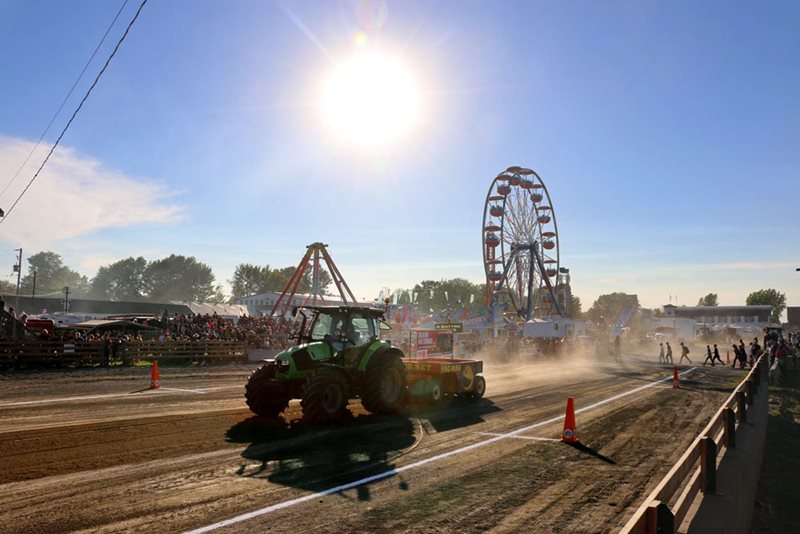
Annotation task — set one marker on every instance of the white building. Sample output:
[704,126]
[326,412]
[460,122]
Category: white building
[732,320]
[262,303]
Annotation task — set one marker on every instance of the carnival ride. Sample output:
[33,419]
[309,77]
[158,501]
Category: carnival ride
[314,252]
[520,244]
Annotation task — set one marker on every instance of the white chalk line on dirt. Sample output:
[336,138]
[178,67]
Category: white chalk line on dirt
[111,396]
[420,463]
[516,437]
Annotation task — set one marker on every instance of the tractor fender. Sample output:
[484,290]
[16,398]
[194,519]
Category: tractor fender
[376,350]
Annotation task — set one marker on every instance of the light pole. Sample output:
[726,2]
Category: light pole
[18,268]
[33,293]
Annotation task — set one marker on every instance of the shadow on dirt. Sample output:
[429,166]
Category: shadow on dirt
[349,454]
[452,412]
[318,458]
[588,450]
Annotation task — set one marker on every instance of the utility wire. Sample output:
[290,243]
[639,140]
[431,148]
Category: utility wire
[63,102]
[119,43]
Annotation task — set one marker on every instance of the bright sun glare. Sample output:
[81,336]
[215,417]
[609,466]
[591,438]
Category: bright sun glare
[371,100]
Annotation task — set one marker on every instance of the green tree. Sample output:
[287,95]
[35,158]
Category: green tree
[179,278]
[709,300]
[607,308]
[306,283]
[52,276]
[248,279]
[7,288]
[769,297]
[429,296]
[121,281]
[219,296]
[575,311]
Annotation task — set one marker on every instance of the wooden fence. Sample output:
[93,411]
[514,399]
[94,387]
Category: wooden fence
[666,507]
[35,354]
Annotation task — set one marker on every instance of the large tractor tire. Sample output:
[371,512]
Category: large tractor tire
[260,397]
[325,398]
[384,388]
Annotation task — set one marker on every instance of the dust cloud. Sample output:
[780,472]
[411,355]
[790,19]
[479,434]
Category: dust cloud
[514,369]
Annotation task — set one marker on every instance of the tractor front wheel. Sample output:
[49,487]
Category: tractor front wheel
[260,397]
[325,398]
[384,384]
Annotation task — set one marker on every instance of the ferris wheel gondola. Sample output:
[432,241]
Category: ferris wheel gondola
[519,237]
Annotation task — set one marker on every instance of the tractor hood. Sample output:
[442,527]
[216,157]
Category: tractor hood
[299,359]
[320,349]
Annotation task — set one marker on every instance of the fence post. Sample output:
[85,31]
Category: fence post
[748,386]
[708,465]
[741,406]
[730,427]
[660,519]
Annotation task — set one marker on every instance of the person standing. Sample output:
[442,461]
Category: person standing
[669,353]
[710,357]
[684,354]
[716,356]
[661,357]
[617,349]
[742,353]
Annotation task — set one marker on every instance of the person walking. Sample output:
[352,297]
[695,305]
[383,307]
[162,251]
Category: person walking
[669,353]
[710,357]
[737,357]
[684,353]
[716,356]
[661,357]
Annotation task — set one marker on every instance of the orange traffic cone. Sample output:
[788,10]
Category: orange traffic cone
[675,379]
[155,382]
[569,435]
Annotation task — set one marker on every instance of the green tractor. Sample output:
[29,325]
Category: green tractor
[339,355]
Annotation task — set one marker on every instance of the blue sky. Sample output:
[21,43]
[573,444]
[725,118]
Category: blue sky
[668,135]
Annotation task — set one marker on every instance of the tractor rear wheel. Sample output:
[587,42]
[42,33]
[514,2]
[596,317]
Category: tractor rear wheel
[325,397]
[259,395]
[384,384]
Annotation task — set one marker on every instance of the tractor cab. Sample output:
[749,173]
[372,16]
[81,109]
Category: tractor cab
[348,330]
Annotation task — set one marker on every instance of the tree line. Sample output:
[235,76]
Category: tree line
[184,278]
[176,277]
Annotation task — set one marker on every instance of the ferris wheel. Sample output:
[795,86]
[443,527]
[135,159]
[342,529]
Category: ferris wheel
[520,244]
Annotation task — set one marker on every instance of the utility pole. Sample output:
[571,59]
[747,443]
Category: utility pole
[18,268]
[66,299]
[33,295]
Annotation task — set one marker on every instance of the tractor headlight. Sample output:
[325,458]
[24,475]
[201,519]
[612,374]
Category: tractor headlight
[283,366]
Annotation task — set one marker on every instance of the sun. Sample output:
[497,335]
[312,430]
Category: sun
[371,99]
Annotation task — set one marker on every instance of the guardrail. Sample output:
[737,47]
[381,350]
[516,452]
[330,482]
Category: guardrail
[38,353]
[696,470]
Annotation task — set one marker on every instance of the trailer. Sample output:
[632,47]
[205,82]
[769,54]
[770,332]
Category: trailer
[430,379]
[434,372]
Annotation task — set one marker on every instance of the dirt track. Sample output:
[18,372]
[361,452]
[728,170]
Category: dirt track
[89,450]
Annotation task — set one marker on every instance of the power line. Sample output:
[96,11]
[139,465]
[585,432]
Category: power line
[75,113]
[63,102]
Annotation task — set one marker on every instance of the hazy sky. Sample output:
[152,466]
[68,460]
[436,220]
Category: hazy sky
[668,135]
